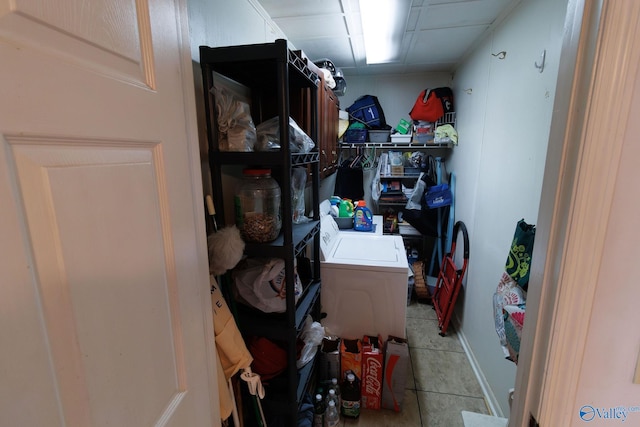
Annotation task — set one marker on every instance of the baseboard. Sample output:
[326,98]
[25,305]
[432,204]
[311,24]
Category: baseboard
[489,396]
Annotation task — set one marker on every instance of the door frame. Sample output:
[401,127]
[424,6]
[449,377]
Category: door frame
[575,204]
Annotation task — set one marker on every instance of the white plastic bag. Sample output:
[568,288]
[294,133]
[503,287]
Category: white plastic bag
[312,335]
[236,131]
[260,283]
[298,185]
[415,200]
[269,136]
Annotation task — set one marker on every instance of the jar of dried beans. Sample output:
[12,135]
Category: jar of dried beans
[257,204]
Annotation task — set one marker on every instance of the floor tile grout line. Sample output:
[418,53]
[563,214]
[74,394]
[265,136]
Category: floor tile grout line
[437,349]
[415,385]
[450,394]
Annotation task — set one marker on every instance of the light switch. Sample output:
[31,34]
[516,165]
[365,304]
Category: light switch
[636,377]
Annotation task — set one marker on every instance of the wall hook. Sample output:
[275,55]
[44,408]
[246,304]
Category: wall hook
[468,91]
[541,65]
[500,55]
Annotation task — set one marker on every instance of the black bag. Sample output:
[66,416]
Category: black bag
[349,182]
[430,176]
[367,110]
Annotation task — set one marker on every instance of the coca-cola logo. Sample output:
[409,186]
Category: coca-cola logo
[372,385]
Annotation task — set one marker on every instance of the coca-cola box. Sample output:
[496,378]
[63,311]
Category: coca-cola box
[396,361]
[372,363]
[351,358]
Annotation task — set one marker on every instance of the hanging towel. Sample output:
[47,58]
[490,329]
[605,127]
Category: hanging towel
[509,300]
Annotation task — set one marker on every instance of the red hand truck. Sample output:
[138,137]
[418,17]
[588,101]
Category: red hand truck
[449,280]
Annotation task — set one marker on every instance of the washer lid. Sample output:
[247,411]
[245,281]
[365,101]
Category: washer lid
[378,252]
[329,233]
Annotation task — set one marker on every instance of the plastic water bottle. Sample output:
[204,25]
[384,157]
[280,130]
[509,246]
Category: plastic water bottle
[331,395]
[331,417]
[335,386]
[318,411]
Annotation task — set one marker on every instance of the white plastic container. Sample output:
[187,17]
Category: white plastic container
[398,137]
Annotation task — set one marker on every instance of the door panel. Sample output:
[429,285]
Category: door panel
[108,36]
[104,297]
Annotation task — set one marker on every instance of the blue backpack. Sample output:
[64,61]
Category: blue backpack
[367,110]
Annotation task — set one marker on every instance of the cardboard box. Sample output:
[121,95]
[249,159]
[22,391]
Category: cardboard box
[397,170]
[351,358]
[396,361]
[372,364]
[329,359]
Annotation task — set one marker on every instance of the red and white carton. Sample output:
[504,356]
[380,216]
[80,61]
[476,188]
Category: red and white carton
[372,363]
[396,362]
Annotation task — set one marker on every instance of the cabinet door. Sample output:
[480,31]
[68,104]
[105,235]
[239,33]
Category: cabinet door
[332,106]
[328,106]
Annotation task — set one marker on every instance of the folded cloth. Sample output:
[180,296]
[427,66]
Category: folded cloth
[445,134]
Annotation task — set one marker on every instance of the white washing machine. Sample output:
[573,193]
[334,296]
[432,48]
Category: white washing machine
[364,283]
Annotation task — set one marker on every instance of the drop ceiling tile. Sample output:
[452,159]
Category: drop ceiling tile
[309,27]
[460,14]
[337,49]
[443,45]
[282,8]
[332,29]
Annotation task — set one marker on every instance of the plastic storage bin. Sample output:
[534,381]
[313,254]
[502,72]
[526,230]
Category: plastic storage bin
[355,136]
[379,135]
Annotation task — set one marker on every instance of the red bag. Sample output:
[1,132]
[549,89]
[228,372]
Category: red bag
[432,104]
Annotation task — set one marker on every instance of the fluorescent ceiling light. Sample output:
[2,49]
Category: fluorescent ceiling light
[383,26]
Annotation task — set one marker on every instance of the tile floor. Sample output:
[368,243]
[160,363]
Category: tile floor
[441,384]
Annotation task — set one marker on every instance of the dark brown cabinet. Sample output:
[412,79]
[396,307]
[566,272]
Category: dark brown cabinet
[328,108]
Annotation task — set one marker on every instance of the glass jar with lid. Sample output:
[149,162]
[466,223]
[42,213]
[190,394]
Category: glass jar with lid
[257,206]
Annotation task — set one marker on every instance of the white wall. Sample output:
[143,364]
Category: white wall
[226,23]
[504,113]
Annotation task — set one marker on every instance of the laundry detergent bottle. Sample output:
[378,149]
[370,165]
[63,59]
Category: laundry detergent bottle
[362,217]
[345,208]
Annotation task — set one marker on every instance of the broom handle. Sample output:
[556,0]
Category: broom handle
[212,211]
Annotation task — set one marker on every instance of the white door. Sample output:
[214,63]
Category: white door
[104,308]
